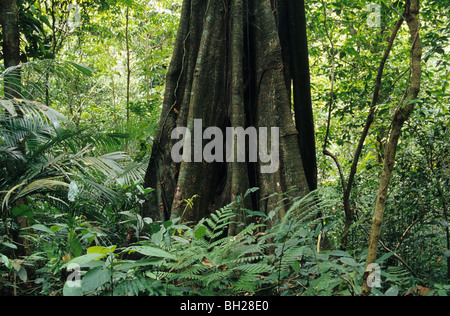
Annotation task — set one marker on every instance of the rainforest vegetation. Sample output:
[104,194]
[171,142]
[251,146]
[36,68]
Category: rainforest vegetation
[92,202]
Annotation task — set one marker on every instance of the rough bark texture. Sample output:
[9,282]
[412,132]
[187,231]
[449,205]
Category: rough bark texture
[401,116]
[231,68]
[9,19]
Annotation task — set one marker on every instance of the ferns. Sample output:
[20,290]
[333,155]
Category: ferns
[205,260]
[139,285]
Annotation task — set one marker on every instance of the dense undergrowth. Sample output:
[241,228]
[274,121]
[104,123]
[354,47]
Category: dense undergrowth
[71,193]
[115,251]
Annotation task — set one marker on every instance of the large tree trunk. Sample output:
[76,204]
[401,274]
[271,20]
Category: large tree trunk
[9,19]
[231,67]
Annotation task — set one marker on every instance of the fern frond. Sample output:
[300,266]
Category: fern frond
[248,259]
[254,268]
[248,282]
[217,276]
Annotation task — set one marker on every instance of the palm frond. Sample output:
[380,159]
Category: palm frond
[29,130]
[23,189]
[134,172]
[103,193]
[11,154]
[35,75]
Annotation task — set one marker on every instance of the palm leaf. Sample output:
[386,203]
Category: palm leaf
[34,76]
[39,185]
[11,154]
[134,172]
[34,186]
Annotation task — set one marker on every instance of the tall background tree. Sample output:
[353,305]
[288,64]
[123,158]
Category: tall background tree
[9,19]
[401,116]
[233,66]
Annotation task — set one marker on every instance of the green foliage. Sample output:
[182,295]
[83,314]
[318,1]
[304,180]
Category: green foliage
[37,152]
[73,167]
[205,260]
[417,203]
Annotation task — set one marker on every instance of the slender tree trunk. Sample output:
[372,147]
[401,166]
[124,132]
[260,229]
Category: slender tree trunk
[127,43]
[447,230]
[369,121]
[9,19]
[231,67]
[127,40]
[402,114]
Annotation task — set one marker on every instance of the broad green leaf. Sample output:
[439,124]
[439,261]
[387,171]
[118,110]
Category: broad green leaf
[200,232]
[158,237]
[152,252]
[349,261]
[9,245]
[250,191]
[6,261]
[296,266]
[9,106]
[385,257]
[84,261]
[72,291]
[102,250]
[393,291]
[442,293]
[41,184]
[167,224]
[42,228]
[55,228]
[126,265]
[95,278]
[22,210]
[22,274]
[56,118]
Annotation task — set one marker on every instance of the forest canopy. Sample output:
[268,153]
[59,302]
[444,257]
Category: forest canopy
[353,98]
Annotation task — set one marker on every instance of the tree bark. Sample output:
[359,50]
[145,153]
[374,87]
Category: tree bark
[300,74]
[9,19]
[402,114]
[231,67]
